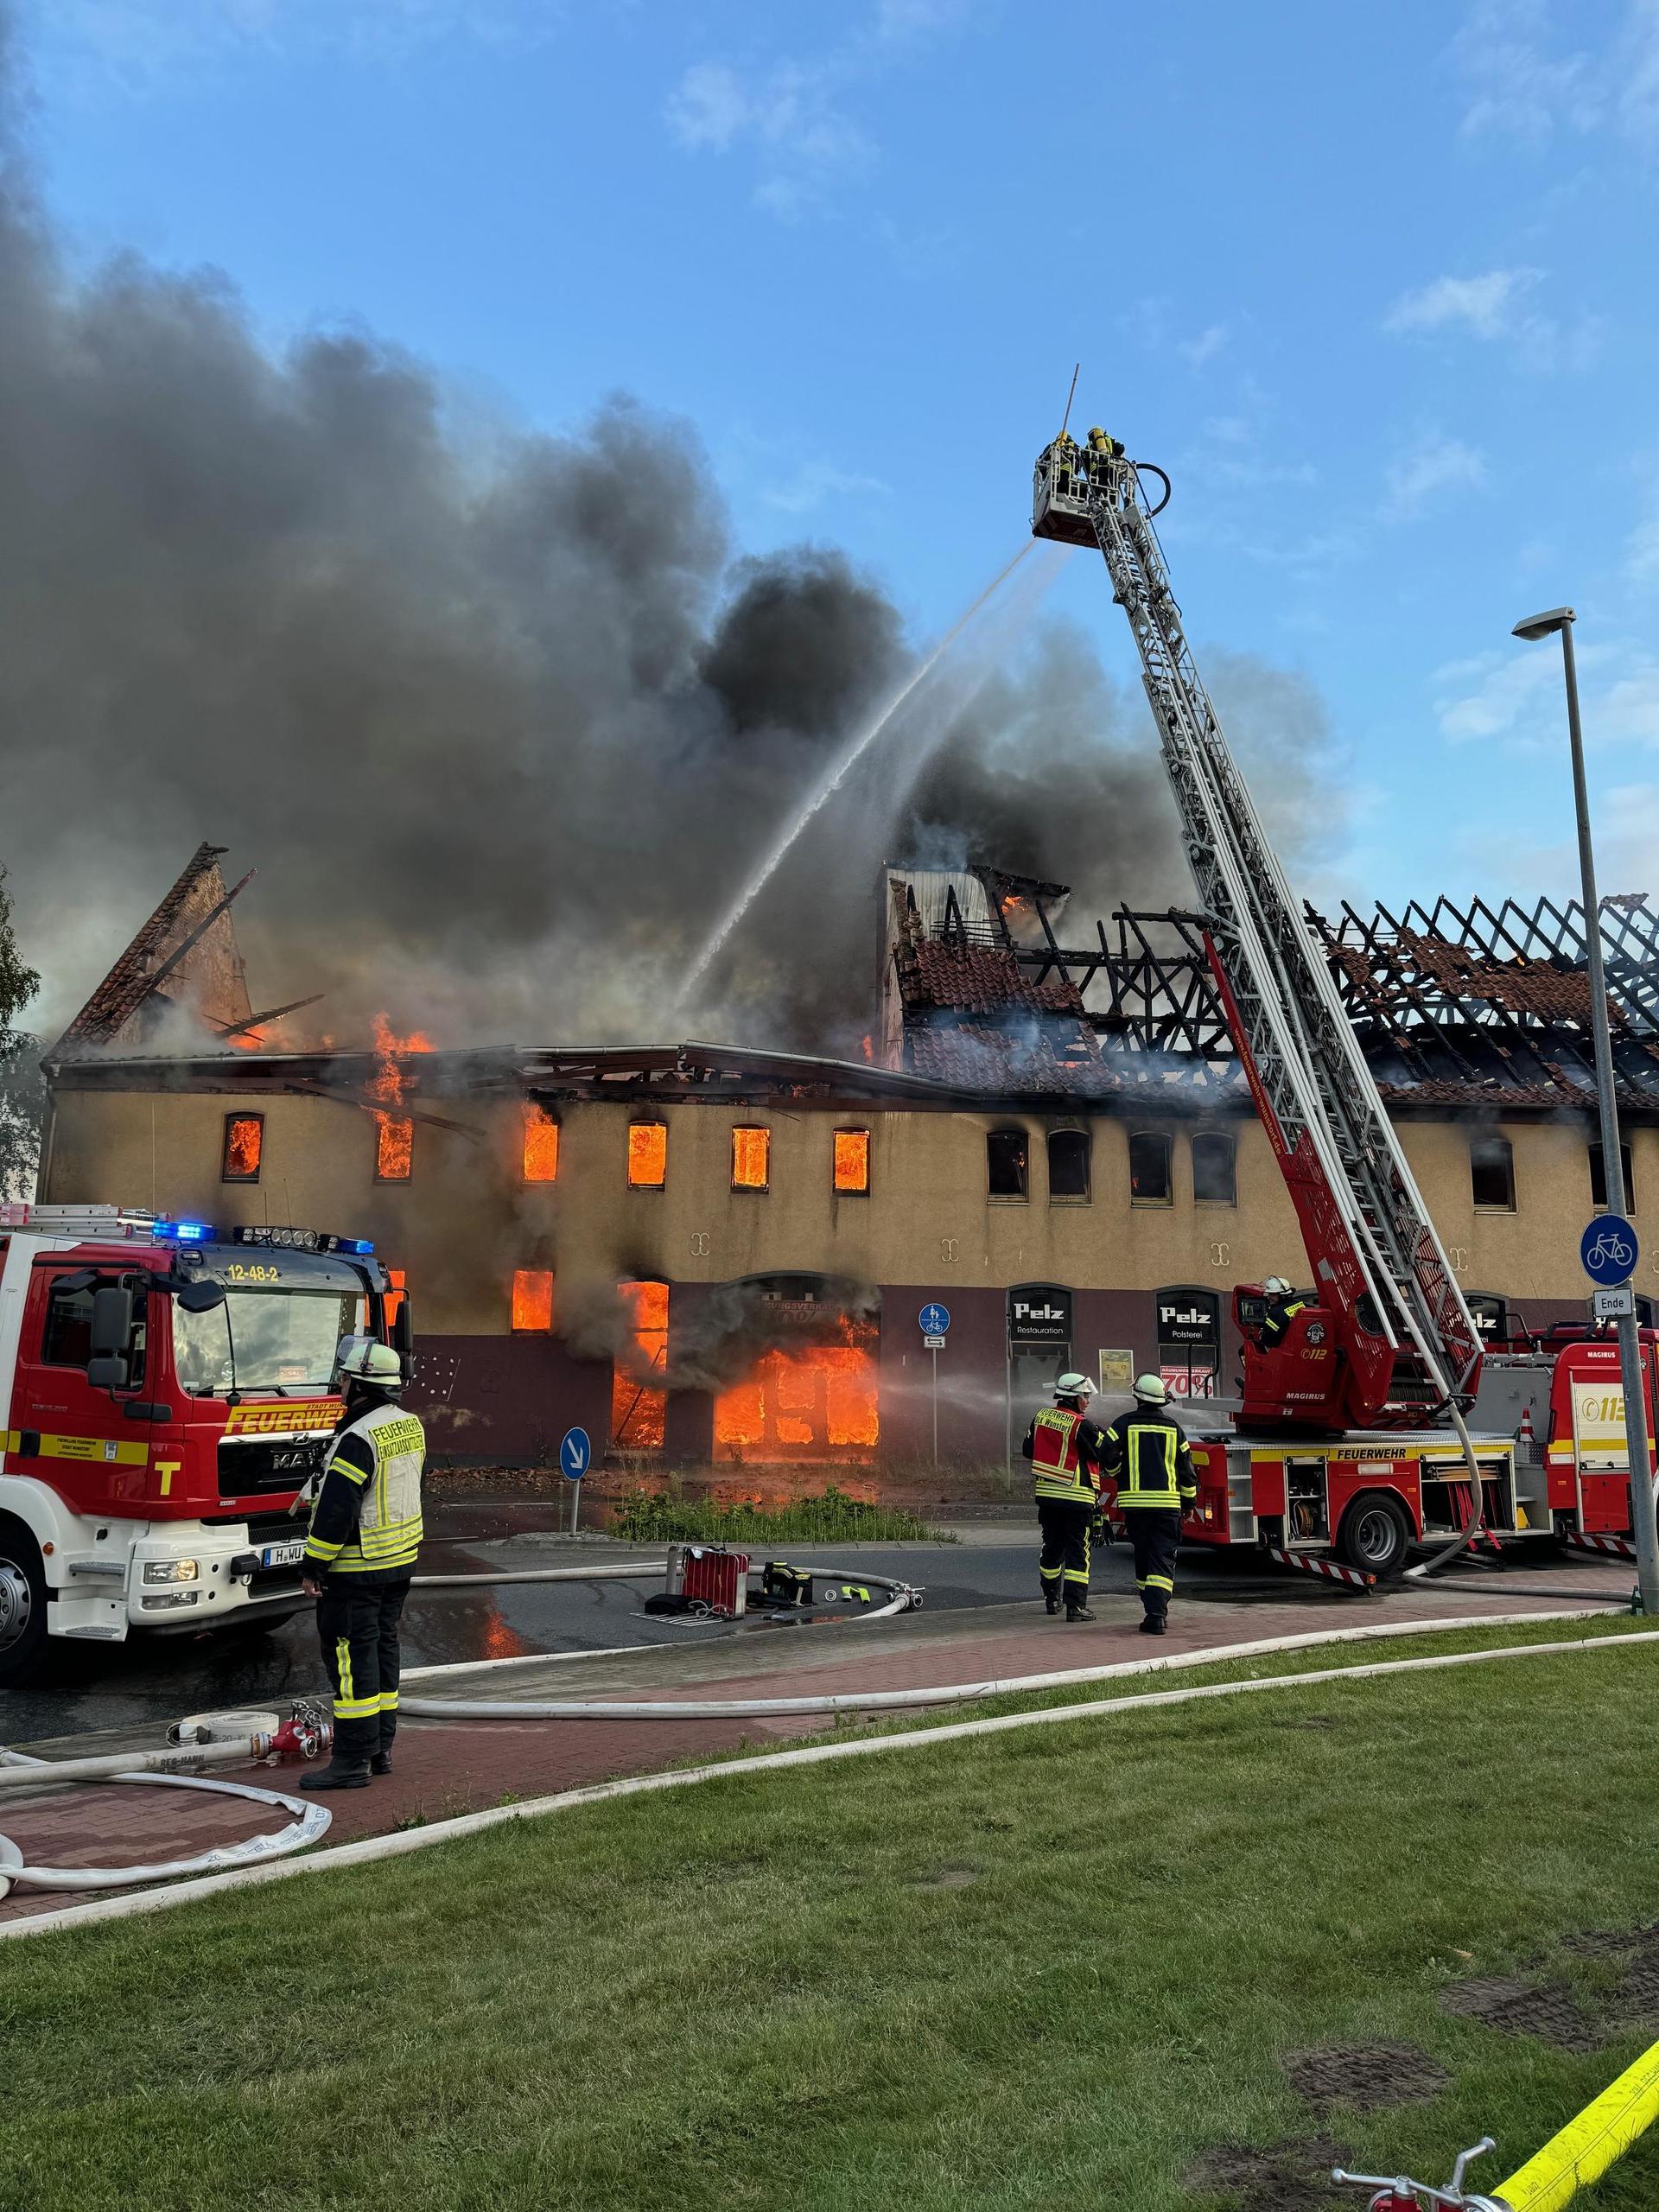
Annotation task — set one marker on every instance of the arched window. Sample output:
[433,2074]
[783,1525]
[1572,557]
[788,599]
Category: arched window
[1214,1168]
[1148,1168]
[638,1406]
[1008,1156]
[1068,1163]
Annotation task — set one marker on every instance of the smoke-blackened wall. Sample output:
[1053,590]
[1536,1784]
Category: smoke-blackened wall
[499,717]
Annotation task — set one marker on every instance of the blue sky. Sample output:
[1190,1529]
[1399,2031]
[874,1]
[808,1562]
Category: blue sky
[1375,282]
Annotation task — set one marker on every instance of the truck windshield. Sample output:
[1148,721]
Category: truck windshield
[261,1340]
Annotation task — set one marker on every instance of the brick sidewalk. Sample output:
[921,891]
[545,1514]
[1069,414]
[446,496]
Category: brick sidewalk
[445,1769]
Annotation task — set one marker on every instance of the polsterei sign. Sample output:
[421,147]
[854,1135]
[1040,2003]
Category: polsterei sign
[1040,1314]
[1190,1316]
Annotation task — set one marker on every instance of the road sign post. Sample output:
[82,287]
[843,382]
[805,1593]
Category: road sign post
[1608,1251]
[934,1321]
[575,1456]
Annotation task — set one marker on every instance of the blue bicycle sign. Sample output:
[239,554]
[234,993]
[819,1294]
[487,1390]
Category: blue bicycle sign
[1608,1250]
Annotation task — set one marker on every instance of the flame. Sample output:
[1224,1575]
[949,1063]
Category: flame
[639,1413]
[867,1046]
[541,1146]
[648,1155]
[816,1403]
[247,1041]
[394,1142]
[1014,902]
[245,1141]
[852,1160]
[751,1151]
[532,1299]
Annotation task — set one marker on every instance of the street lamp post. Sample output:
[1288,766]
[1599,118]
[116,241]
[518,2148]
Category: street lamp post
[1561,618]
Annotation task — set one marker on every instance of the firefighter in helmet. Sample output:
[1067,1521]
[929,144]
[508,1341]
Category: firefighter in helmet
[360,1556]
[1101,449]
[1066,462]
[1064,1449]
[1280,1305]
[1146,1455]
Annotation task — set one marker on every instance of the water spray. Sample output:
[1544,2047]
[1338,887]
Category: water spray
[832,782]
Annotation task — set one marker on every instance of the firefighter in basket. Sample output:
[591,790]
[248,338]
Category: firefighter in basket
[1064,1452]
[360,1551]
[1146,1455]
[1281,1305]
[1102,450]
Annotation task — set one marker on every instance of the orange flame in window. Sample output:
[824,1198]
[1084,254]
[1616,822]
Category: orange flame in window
[638,1413]
[648,1155]
[541,1145]
[532,1298]
[852,1160]
[244,1139]
[751,1152]
[816,1403]
[394,1133]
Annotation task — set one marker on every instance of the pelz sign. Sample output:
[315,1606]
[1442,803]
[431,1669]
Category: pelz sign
[1042,1316]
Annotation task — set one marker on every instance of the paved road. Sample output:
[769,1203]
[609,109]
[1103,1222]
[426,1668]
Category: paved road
[150,1680]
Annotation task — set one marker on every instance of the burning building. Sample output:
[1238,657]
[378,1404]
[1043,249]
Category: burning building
[711,1254]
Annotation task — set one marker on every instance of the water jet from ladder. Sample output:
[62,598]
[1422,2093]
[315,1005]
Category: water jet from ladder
[832,782]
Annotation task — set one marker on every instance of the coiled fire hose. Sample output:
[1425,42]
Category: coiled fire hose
[303,1734]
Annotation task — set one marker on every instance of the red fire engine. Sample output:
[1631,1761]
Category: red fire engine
[164,1397]
[1353,1430]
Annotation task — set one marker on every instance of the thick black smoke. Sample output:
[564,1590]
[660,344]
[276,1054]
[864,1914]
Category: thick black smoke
[500,719]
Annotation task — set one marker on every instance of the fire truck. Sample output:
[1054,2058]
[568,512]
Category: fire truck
[1353,1431]
[165,1396]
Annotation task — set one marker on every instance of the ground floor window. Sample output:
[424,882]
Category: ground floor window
[639,1405]
[812,1402]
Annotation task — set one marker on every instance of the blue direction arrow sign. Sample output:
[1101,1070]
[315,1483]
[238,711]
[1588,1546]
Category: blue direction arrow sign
[935,1320]
[1608,1249]
[576,1454]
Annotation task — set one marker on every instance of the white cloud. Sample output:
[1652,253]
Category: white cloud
[1484,306]
[1516,698]
[1204,346]
[794,115]
[1432,465]
[817,481]
[1516,87]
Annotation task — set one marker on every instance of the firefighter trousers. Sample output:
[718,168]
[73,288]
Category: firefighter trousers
[1066,1547]
[357,1627]
[1154,1531]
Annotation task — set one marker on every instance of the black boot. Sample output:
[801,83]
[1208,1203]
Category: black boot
[1153,1624]
[1052,1601]
[339,1774]
[1078,1613]
[381,1762]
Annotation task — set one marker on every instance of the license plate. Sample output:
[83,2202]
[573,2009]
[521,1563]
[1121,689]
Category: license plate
[283,1554]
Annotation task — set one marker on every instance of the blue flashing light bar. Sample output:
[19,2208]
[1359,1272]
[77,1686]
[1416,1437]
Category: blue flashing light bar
[291,1240]
[183,1232]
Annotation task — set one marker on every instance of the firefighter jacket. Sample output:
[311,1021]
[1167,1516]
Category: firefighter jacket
[366,1520]
[1279,1314]
[1064,1451]
[1146,1455]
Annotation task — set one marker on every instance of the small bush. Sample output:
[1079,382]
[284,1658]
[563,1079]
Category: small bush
[658,1516]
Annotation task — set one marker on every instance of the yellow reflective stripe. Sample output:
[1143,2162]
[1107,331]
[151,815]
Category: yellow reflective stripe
[316,1548]
[356,1708]
[388,1700]
[1155,1582]
[343,1663]
[360,1566]
[1589,2145]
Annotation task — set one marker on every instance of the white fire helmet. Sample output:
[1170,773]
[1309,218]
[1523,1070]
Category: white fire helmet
[1276,1287]
[1152,1389]
[365,1359]
[1074,1386]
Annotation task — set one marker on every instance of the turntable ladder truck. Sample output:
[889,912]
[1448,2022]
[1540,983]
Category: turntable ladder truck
[1342,1438]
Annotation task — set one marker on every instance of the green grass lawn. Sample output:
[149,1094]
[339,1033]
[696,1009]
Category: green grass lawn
[1054,1965]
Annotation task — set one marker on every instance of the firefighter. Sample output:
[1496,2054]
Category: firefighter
[1101,449]
[1280,1307]
[1065,462]
[359,1554]
[1064,1449]
[1146,1455]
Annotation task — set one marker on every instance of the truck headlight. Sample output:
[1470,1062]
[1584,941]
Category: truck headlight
[171,1570]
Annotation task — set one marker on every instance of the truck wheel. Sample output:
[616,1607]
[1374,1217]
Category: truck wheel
[1376,1536]
[23,1600]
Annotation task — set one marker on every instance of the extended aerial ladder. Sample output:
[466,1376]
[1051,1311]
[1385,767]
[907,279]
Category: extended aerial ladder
[1405,1348]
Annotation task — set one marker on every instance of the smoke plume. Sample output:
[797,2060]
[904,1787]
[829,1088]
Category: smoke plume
[502,718]
[717,1341]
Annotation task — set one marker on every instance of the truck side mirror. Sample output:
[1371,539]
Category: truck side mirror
[110,1366]
[402,1335]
